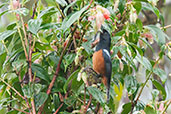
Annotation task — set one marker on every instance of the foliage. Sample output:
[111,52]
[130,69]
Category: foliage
[41,59]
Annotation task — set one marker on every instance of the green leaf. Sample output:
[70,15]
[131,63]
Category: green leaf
[47,12]
[131,84]
[74,74]
[27,91]
[97,94]
[17,65]
[139,24]
[161,74]
[62,2]
[68,6]
[11,26]
[144,61]
[40,72]
[4,12]
[161,36]
[73,18]
[4,35]
[147,43]
[126,108]
[136,47]
[56,100]
[3,4]
[160,88]
[22,11]
[138,7]
[68,59]
[70,100]
[34,25]
[40,99]
[150,110]
[2,60]
[147,6]
[121,5]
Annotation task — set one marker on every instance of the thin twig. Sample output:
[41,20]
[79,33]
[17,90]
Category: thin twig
[166,27]
[148,77]
[57,5]
[58,109]
[90,4]
[167,105]
[89,102]
[30,59]
[20,110]
[12,88]
[57,69]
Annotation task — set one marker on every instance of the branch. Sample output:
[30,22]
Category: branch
[20,110]
[57,69]
[148,77]
[30,59]
[58,108]
[89,5]
[12,88]
[167,105]
[166,27]
[89,102]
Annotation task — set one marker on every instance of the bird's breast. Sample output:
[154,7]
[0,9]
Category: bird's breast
[99,62]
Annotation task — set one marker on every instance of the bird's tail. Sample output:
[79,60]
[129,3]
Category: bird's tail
[108,92]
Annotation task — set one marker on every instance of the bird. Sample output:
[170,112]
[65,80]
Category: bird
[101,58]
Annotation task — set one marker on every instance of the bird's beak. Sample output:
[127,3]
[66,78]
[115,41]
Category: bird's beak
[96,39]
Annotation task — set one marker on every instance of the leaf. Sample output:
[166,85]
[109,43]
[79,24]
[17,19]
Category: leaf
[4,35]
[149,110]
[68,6]
[147,6]
[126,108]
[11,26]
[40,72]
[97,94]
[22,11]
[144,61]
[139,24]
[47,12]
[138,7]
[27,91]
[73,18]
[56,100]
[147,43]
[160,88]
[121,5]
[161,36]
[2,60]
[161,74]
[4,12]
[37,88]
[62,2]
[74,74]
[131,84]
[40,99]
[136,47]
[70,100]
[34,25]
[17,65]
[3,4]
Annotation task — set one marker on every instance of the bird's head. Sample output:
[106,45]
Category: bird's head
[102,39]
